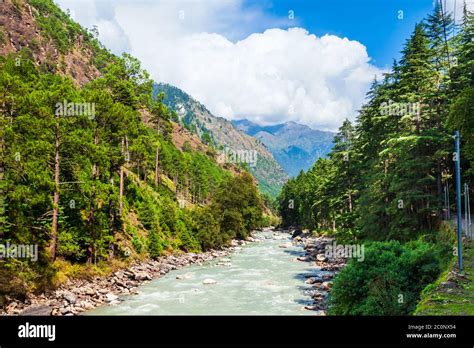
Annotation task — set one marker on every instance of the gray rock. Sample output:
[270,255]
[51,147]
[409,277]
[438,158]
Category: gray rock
[321,257]
[36,310]
[297,232]
[64,310]
[89,291]
[86,305]
[313,280]
[70,297]
[326,285]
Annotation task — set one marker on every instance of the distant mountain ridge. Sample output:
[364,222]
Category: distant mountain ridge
[217,130]
[295,146]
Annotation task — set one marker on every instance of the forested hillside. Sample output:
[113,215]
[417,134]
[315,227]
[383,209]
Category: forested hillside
[224,136]
[385,180]
[89,171]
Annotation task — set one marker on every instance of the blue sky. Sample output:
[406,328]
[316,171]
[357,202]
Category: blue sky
[374,23]
[248,59]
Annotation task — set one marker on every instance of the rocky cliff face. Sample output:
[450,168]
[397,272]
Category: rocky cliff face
[24,27]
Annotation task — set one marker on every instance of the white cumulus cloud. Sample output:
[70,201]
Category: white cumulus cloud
[235,60]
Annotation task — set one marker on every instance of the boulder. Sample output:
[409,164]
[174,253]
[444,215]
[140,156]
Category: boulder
[321,257]
[89,291]
[184,276]
[70,297]
[326,285]
[209,281]
[35,310]
[313,280]
[111,297]
[64,310]
[297,232]
[142,276]
[86,305]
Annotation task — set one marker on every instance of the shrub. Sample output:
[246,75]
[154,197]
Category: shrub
[388,281]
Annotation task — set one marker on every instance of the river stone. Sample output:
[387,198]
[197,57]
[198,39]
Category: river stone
[209,281]
[35,310]
[321,257]
[111,297]
[313,280]
[297,232]
[86,305]
[286,245]
[183,276]
[121,283]
[70,297]
[142,276]
[311,308]
[64,310]
[326,285]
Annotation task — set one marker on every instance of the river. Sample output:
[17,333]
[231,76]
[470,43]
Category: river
[259,279]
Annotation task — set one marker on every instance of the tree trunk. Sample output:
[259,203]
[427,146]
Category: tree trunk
[54,225]
[112,228]
[350,202]
[121,182]
[2,171]
[157,157]
[91,248]
[95,171]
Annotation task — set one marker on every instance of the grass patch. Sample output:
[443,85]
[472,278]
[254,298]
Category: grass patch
[69,271]
[437,299]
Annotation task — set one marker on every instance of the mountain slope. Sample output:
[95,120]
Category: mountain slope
[221,132]
[92,170]
[295,146]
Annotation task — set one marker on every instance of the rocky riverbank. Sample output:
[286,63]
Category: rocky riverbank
[325,269]
[80,295]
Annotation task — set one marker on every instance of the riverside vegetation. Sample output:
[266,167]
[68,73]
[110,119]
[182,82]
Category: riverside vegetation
[383,183]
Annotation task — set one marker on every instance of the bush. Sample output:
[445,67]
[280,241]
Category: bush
[155,245]
[388,281]
[206,228]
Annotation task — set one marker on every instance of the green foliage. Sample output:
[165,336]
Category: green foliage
[155,245]
[388,281]
[237,206]
[383,180]
[92,152]
[385,175]
[207,228]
